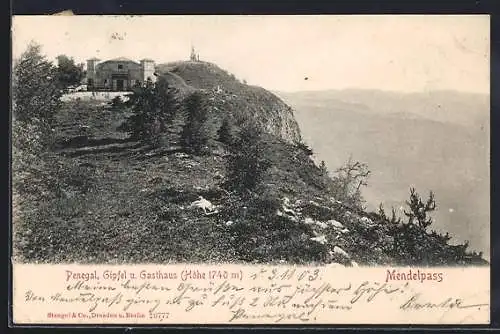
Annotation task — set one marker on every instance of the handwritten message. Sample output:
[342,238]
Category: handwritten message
[198,294]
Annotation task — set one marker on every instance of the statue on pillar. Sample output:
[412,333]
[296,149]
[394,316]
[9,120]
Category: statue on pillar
[194,56]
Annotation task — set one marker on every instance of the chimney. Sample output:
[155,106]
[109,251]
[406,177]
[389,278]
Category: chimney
[148,69]
[91,67]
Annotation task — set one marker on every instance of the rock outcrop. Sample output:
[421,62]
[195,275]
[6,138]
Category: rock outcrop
[230,96]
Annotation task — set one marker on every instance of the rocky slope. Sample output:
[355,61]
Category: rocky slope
[228,95]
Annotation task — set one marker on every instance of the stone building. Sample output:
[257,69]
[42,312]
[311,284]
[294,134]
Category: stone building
[119,74]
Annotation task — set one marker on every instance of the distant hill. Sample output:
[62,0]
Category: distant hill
[467,109]
[435,141]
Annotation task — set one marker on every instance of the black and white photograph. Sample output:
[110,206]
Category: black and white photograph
[325,140]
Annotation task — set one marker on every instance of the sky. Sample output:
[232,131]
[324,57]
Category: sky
[387,52]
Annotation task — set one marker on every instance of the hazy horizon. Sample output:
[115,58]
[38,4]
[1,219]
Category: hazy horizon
[402,53]
[382,91]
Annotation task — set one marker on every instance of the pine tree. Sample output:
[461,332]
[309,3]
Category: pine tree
[35,101]
[248,161]
[418,213]
[35,91]
[226,131]
[154,107]
[323,168]
[195,134]
[68,73]
[395,220]
[305,148]
[381,212]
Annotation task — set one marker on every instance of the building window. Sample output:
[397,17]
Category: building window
[120,67]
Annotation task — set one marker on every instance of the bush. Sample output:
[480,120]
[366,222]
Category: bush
[310,173]
[35,100]
[393,220]
[258,234]
[414,245]
[117,102]
[347,183]
[195,133]
[35,92]
[154,107]
[226,132]
[323,169]
[248,161]
[305,148]
[68,73]
[419,210]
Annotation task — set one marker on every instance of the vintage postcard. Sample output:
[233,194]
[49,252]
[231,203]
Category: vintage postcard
[250,169]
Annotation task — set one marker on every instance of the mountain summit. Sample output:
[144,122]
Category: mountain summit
[229,95]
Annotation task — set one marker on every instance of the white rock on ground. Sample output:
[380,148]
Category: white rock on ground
[321,224]
[332,199]
[366,220]
[288,211]
[321,239]
[286,207]
[335,223]
[340,251]
[308,221]
[204,204]
[315,203]
[229,223]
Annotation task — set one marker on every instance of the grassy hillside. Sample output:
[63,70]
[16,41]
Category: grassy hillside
[118,200]
[104,196]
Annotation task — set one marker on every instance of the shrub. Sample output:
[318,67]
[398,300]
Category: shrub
[195,133]
[418,213]
[393,220]
[154,107]
[304,147]
[414,245]
[226,131]
[258,234]
[117,102]
[323,169]
[347,183]
[35,91]
[68,73]
[248,160]
[35,100]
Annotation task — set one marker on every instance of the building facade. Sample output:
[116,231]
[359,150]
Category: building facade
[119,74]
